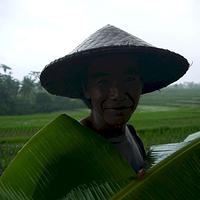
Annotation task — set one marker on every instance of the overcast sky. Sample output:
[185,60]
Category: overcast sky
[35,32]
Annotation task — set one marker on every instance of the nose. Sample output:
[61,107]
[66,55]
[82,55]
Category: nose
[117,92]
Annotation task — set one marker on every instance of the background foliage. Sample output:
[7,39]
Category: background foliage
[28,97]
[163,116]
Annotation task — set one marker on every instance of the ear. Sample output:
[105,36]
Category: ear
[85,91]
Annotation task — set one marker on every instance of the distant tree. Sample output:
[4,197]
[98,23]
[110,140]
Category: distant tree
[11,85]
[36,76]
[192,85]
[174,86]
[39,87]
[43,103]
[5,67]
[9,88]
[185,85]
[27,86]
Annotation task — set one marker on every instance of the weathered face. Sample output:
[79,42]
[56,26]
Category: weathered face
[114,88]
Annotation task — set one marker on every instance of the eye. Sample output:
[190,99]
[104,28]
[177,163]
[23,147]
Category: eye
[129,79]
[103,81]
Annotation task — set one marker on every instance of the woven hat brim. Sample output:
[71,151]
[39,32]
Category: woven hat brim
[157,67]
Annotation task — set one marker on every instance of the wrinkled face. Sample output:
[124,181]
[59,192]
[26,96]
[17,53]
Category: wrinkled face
[114,88]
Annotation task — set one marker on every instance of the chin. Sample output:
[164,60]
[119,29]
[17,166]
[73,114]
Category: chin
[118,121]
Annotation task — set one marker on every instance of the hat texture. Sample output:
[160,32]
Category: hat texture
[157,67]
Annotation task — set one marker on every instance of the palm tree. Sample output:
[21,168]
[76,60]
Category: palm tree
[9,88]
[5,67]
[36,76]
[27,86]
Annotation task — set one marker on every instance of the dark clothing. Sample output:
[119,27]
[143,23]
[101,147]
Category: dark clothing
[131,147]
[139,141]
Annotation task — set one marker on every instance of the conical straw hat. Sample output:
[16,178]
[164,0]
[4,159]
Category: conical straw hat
[158,67]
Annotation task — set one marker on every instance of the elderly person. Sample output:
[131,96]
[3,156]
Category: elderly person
[109,71]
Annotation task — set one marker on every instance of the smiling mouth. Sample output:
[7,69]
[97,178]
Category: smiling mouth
[119,108]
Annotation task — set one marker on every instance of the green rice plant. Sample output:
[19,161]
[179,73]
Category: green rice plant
[2,132]
[60,162]
[155,124]
[165,135]
[10,147]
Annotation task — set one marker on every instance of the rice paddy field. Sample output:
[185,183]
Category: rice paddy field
[157,120]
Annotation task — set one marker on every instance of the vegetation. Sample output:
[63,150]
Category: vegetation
[28,97]
[92,168]
[155,125]
[163,116]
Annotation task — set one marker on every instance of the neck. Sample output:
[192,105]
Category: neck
[102,128]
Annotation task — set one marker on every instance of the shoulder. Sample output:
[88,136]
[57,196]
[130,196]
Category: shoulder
[85,121]
[133,131]
[82,121]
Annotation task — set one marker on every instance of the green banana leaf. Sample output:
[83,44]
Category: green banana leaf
[174,173]
[66,160]
[62,158]
[158,153]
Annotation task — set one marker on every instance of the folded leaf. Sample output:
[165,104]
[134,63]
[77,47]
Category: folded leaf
[158,153]
[63,159]
[175,173]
